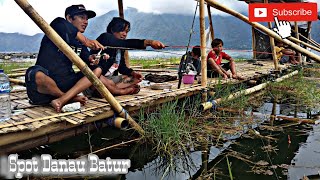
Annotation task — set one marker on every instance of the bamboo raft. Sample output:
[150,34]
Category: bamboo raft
[32,125]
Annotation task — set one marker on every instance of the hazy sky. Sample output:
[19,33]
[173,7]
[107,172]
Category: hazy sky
[13,19]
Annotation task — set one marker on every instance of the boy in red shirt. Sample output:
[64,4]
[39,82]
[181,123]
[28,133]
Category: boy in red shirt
[214,65]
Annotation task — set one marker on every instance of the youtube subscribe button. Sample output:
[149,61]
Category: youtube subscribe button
[259,12]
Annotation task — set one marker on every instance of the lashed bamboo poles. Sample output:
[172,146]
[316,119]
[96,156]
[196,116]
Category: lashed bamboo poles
[273,50]
[303,43]
[216,5]
[208,105]
[65,48]
[203,48]
[310,41]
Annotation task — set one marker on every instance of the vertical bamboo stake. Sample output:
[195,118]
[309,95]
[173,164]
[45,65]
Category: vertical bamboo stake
[254,49]
[210,22]
[66,49]
[120,8]
[203,49]
[274,56]
[296,30]
[309,29]
[121,14]
[268,31]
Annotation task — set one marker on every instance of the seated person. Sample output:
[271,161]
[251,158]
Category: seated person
[215,67]
[193,58]
[285,55]
[53,80]
[118,29]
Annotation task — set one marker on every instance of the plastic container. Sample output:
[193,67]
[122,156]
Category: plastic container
[189,78]
[5,105]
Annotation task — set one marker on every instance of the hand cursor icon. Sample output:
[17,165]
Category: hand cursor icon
[283,28]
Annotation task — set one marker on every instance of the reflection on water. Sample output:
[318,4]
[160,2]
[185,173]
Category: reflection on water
[177,54]
[275,154]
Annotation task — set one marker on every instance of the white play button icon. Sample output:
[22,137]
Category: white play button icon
[260,12]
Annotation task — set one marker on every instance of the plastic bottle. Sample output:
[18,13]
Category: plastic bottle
[5,105]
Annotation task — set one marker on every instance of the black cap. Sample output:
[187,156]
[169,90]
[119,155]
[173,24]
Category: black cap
[79,9]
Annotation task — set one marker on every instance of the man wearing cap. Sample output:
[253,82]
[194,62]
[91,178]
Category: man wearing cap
[53,80]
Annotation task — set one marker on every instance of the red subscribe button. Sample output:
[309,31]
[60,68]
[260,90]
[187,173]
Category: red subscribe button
[260,12]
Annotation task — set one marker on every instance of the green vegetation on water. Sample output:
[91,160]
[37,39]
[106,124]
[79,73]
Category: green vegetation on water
[9,66]
[148,63]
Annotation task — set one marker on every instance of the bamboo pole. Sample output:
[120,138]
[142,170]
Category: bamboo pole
[303,43]
[254,49]
[65,48]
[286,118]
[310,41]
[17,81]
[120,8]
[208,105]
[210,22]
[273,50]
[121,14]
[203,49]
[296,29]
[216,5]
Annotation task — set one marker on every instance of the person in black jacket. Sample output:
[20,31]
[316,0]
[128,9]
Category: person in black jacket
[52,80]
[119,28]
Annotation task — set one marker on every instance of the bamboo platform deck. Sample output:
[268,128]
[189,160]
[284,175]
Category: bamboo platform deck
[31,126]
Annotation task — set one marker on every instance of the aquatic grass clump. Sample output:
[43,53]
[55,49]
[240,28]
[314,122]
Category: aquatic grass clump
[224,90]
[297,90]
[169,129]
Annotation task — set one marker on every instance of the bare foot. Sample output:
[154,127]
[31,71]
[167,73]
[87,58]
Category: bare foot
[79,98]
[234,76]
[225,77]
[56,104]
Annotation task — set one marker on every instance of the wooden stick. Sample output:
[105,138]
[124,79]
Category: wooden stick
[297,36]
[203,49]
[210,22]
[308,121]
[310,41]
[254,49]
[208,105]
[274,56]
[66,49]
[113,146]
[17,81]
[217,5]
[304,43]
[13,75]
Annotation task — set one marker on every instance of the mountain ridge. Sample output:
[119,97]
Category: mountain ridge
[171,29]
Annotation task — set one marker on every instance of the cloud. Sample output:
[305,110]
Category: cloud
[13,19]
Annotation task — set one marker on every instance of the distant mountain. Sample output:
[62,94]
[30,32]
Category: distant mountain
[15,42]
[172,29]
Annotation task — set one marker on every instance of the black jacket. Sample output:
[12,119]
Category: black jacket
[107,39]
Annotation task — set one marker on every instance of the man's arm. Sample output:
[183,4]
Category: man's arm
[108,39]
[92,44]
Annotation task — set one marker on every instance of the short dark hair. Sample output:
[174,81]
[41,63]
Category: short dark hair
[117,24]
[216,42]
[196,50]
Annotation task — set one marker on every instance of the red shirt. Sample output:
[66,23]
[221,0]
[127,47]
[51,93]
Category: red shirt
[218,59]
